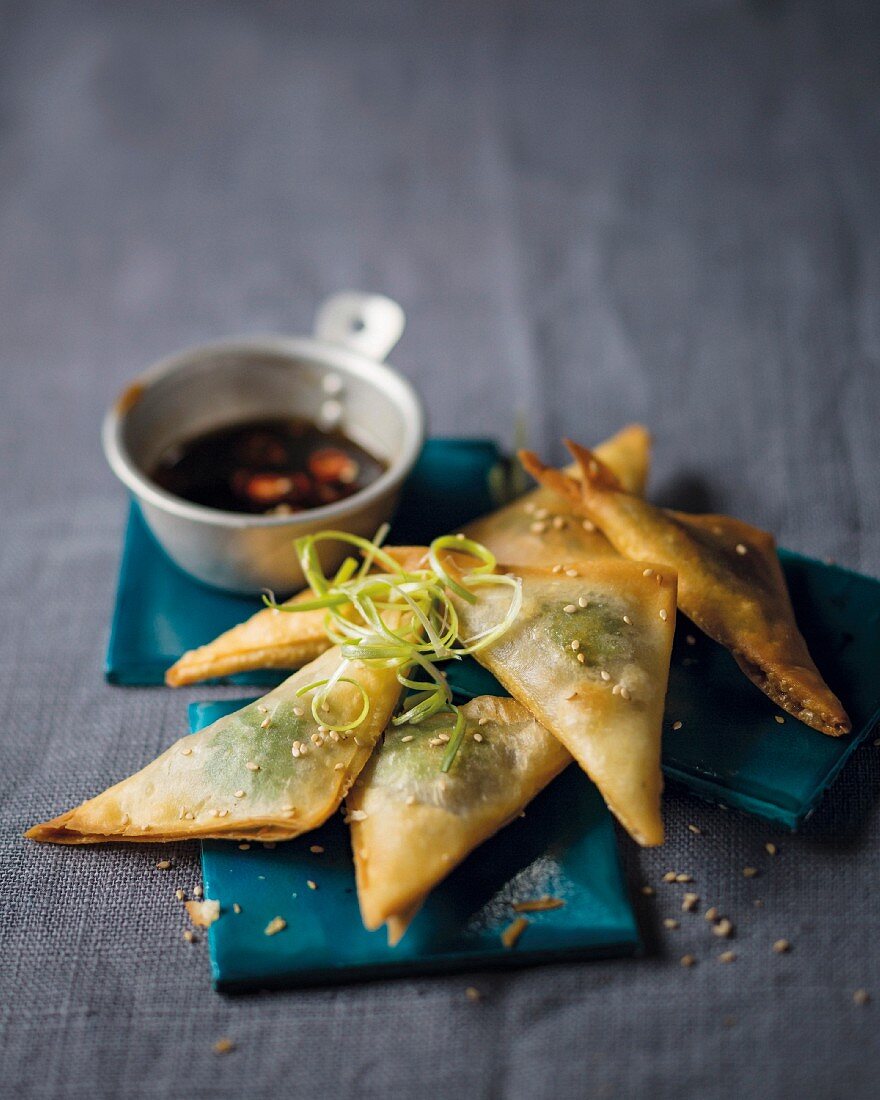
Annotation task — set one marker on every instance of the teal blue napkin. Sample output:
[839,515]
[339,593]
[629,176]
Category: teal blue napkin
[564,847]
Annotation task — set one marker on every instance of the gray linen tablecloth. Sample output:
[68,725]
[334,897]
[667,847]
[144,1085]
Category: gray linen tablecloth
[592,213]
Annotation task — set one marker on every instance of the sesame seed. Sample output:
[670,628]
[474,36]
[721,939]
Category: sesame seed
[616,689]
[542,513]
[223,812]
[163,865]
[513,931]
[189,936]
[537,905]
[647,572]
[582,601]
[238,794]
[669,876]
[664,614]
[556,569]
[298,711]
[252,767]
[569,609]
[648,891]
[262,708]
[317,849]
[266,723]
[179,894]
[312,885]
[749,872]
[861,997]
[671,923]
[677,725]
[434,742]
[688,960]
[779,719]
[575,645]
[606,676]
[197,891]
[571,573]
[275,925]
[782,947]
[186,752]
[770,848]
[627,620]
[624,693]
[684,878]
[529,507]
[406,740]
[741,549]
[538,528]
[236,908]
[473,994]
[582,658]
[410,799]
[558,522]
[482,721]
[724,929]
[189,815]
[358,815]
[244,847]
[727,957]
[689,903]
[478,737]
[588,525]
[695,829]
[712,913]
[444,737]
[338,767]
[224,1046]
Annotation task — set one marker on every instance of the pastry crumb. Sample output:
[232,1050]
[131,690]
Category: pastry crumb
[203,913]
[275,925]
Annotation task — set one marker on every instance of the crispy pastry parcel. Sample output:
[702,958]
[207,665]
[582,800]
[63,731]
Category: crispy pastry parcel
[273,639]
[588,656]
[243,778]
[729,582]
[411,824]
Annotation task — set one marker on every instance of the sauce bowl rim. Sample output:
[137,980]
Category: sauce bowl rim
[394,387]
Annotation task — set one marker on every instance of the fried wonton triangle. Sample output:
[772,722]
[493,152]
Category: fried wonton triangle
[729,582]
[411,824]
[544,527]
[257,774]
[268,639]
[589,656]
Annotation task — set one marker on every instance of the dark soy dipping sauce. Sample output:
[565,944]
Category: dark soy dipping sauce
[267,467]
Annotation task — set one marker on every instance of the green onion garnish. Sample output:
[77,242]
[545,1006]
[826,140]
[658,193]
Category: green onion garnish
[399,618]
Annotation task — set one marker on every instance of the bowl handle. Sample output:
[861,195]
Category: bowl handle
[366,323]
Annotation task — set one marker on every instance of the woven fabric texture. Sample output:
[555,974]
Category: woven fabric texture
[592,213]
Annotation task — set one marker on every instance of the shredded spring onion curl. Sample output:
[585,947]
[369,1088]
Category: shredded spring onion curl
[398,618]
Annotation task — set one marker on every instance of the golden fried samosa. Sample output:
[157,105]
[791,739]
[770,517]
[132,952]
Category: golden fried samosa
[545,528]
[268,639]
[411,824]
[729,582]
[266,772]
[588,655]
